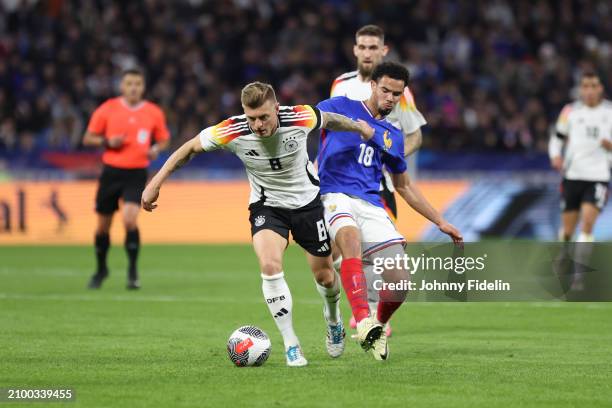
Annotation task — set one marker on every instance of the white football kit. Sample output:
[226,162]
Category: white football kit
[279,171]
[583,128]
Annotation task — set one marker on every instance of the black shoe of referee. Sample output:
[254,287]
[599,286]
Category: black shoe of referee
[96,280]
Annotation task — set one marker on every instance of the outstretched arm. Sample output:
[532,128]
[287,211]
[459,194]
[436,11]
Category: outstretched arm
[177,160]
[335,121]
[415,199]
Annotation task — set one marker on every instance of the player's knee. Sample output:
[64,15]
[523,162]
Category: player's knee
[349,242]
[270,266]
[102,230]
[325,276]
[130,224]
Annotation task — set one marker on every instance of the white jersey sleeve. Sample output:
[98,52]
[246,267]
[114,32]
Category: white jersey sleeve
[562,125]
[583,128]
[220,135]
[347,84]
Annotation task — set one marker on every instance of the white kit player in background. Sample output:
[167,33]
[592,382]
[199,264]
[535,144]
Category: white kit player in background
[584,128]
[271,142]
[370,49]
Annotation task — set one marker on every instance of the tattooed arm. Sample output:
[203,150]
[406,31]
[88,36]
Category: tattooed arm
[177,160]
[335,121]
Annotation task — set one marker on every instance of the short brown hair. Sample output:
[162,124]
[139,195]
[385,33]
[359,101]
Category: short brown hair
[371,30]
[255,94]
[590,74]
[132,71]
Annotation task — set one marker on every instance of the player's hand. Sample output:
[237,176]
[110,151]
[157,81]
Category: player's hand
[115,142]
[451,231]
[153,152]
[557,163]
[149,197]
[367,131]
[606,144]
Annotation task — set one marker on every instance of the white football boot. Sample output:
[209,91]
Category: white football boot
[368,331]
[335,338]
[295,356]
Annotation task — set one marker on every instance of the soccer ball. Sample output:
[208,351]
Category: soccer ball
[248,346]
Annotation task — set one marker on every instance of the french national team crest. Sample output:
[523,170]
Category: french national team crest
[388,140]
[260,220]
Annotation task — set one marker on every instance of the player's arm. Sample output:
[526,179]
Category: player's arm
[176,160]
[98,140]
[335,121]
[412,142]
[558,138]
[161,135]
[555,147]
[415,199]
[94,136]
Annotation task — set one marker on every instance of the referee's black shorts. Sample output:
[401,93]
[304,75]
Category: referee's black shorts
[116,183]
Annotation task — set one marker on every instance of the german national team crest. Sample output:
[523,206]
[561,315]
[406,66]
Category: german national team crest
[290,145]
[260,220]
[332,208]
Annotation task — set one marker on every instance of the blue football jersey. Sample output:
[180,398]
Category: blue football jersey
[350,165]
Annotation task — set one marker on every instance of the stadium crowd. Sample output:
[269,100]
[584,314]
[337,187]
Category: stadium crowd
[485,74]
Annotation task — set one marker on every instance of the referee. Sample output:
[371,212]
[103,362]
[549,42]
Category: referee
[132,131]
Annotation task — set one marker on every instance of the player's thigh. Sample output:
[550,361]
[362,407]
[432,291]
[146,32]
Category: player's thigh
[270,232]
[269,247]
[109,191]
[134,183]
[572,192]
[338,212]
[309,230]
[377,230]
[595,193]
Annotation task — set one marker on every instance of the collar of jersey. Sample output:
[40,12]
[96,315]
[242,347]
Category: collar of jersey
[370,112]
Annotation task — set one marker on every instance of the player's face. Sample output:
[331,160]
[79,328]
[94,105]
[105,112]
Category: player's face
[369,51]
[264,119]
[387,93]
[591,90]
[132,88]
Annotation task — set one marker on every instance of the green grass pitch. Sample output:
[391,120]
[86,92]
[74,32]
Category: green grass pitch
[164,346]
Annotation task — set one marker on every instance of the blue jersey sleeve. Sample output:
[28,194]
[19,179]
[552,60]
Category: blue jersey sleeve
[395,165]
[335,104]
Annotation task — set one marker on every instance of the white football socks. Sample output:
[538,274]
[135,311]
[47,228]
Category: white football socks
[279,300]
[331,299]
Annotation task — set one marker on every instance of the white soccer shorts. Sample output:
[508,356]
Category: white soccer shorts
[376,228]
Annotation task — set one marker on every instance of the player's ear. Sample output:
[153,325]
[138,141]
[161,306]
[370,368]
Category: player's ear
[385,50]
[355,50]
[277,107]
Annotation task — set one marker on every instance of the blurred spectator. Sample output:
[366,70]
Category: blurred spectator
[486,74]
